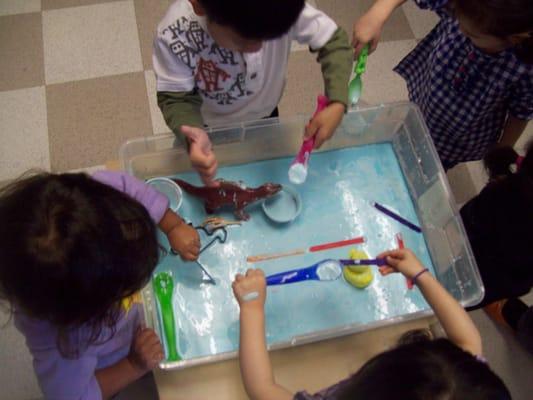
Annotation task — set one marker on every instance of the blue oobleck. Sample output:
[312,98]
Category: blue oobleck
[337,199]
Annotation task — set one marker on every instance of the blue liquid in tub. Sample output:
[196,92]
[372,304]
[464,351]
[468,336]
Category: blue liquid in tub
[337,204]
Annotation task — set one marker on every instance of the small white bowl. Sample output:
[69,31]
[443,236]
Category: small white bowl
[283,207]
[170,189]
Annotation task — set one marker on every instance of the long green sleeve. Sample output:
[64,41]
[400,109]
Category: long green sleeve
[336,58]
[180,108]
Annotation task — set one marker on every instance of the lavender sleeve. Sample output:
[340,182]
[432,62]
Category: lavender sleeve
[156,203]
[59,378]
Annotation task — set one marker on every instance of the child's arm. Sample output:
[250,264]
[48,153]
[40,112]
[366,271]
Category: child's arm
[335,59]
[454,319]
[145,354]
[513,129]
[256,370]
[183,238]
[367,29]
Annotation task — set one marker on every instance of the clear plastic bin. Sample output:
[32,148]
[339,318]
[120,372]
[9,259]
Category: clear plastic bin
[400,124]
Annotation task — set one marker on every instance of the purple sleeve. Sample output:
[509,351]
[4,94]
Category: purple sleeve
[156,203]
[59,378]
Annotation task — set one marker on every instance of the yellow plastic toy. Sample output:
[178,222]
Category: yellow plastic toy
[359,276]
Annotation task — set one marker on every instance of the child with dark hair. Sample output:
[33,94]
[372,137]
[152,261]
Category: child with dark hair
[75,250]
[498,222]
[472,75]
[442,369]
[222,62]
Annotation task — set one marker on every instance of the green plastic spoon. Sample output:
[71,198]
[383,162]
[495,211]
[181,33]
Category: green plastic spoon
[356,84]
[164,287]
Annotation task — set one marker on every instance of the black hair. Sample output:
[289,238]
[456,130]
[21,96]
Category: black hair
[501,18]
[425,370]
[255,20]
[71,249]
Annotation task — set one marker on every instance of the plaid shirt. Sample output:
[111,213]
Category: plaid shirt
[464,93]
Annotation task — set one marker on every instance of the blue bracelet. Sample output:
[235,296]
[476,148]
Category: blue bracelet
[414,278]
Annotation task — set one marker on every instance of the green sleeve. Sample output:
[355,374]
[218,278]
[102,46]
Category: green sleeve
[336,58]
[180,108]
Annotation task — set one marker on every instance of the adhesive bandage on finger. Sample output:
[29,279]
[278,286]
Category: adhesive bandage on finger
[250,296]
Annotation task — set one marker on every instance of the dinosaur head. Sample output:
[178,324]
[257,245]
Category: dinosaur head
[270,189]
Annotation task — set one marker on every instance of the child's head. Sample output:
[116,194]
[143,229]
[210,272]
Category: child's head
[495,25]
[72,248]
[425,370]
[242,25]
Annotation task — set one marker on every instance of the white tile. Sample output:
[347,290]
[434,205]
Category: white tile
[24,132]
[380,83]
[158,122]
[90,41]
[421,21]
[11,7]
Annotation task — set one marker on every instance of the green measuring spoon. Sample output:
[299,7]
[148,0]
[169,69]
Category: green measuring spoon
[356,84]
[164,287]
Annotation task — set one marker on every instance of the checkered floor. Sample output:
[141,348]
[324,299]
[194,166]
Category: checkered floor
[76,76]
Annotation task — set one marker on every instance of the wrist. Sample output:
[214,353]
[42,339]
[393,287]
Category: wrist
[137,370]
[421,276]
[253,307]
[170,222]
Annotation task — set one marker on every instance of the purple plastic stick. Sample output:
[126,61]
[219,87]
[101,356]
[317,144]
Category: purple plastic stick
[395,216]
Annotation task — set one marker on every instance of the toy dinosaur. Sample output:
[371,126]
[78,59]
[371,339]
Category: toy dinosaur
[230,194]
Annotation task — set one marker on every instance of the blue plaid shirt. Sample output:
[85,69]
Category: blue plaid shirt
[464,93]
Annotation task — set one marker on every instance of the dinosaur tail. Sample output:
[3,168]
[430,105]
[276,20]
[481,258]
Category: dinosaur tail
[191,189]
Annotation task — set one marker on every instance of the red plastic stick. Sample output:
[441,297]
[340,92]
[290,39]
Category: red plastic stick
[342,243]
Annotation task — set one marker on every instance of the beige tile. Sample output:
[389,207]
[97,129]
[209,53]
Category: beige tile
[380,83]
[461,183]
[304,83]
[24,136]
[346,12]
[55,4]
[149,13]
[421,21]
[89,120]
[525,139]
[90,41]
[11,7]
[21,51]
[158,123]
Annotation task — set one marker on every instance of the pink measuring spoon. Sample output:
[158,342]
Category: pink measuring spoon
[298,168]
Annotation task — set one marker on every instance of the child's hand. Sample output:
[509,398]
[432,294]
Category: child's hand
[201,154]
[323,124]
[366,29]
[402,260]
[251,288]
[185,240]
[146,350]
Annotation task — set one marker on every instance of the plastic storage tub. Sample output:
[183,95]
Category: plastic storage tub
[401,125]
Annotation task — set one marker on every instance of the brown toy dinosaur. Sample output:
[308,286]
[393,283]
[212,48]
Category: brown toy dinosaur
[230,194]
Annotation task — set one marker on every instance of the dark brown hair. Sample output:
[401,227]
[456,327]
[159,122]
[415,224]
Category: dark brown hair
[71,249]
[501,18]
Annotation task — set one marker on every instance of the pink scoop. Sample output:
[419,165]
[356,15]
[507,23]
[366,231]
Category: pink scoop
[298,168]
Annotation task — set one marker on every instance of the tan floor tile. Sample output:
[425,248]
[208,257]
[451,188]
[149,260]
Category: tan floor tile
[21,51]
[380,83]
[55,4]
[304,84]
[24,136]
[158,122]
[89,120]
[90,41]
[345,13]
[11,7]
[149,13]
[421,21]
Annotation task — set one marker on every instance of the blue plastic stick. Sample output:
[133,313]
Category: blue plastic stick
[395,216]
